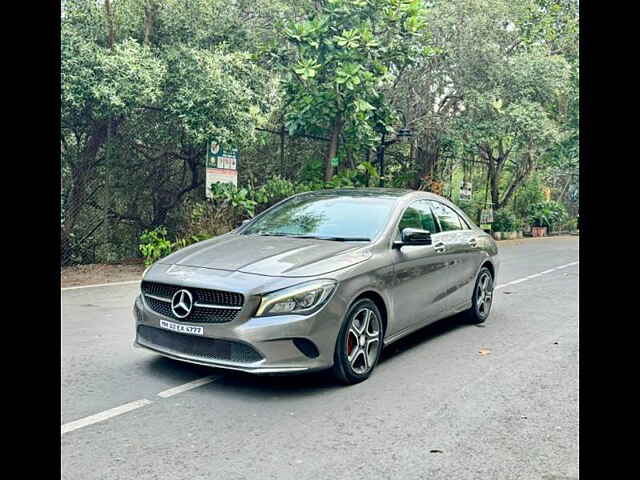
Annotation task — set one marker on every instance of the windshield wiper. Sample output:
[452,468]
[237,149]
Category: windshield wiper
[335,239]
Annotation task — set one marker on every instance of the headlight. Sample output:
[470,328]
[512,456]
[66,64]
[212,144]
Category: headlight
[302,299]
[146,270]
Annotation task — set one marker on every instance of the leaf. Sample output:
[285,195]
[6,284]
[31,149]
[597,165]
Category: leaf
[484,351]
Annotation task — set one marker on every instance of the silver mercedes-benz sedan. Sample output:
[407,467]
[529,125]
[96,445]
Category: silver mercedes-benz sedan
[320,280]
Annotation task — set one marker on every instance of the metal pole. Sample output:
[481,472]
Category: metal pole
[381,160]
[107,188]
[282,168]
[486,193]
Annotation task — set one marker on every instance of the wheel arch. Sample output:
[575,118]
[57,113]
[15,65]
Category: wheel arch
[489,264]
[376,298]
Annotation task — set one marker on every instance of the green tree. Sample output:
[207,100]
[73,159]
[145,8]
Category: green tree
[341,57]
[139,89]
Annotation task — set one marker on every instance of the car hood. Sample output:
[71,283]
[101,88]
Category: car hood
[272,256]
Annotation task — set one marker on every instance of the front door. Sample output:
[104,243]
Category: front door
[420,287]
[458,240]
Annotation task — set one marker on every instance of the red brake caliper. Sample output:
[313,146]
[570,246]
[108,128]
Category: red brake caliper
[349,344]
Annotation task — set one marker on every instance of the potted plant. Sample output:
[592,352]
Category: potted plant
[504,225]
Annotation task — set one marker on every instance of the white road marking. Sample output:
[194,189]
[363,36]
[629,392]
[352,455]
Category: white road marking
[128,282]
[188,386]
[547,271]
[524,279]
[99,417]
[102,416]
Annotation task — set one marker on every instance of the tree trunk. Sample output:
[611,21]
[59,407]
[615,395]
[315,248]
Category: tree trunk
[111,33]
[494,186]
[332,149]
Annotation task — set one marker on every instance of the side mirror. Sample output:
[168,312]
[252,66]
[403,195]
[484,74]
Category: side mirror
[413,236]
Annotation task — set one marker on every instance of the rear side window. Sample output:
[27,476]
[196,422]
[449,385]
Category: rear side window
[449,220]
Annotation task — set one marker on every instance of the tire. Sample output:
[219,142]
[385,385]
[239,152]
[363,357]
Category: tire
[353,363]
[481,303]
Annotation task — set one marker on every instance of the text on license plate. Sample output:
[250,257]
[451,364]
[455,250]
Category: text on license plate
[176,327]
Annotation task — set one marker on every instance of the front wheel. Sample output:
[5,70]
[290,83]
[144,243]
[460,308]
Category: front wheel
[359,343]
[482,298]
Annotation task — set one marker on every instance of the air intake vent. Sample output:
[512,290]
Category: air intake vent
[197,347]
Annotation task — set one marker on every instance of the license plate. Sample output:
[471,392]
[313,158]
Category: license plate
[176,327]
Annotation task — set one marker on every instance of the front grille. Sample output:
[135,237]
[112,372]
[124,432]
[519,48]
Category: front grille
[200,295]
[200,347]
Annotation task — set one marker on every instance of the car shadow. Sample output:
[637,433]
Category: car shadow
[273,387]
[422,336]
[164,367]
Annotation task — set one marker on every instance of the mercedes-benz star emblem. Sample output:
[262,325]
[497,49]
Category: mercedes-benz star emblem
[181,303]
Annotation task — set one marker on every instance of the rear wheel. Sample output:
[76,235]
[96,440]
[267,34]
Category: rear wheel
[359,343]
[482,298]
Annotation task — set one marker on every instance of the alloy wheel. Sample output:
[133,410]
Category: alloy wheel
[363,340]
[484,294]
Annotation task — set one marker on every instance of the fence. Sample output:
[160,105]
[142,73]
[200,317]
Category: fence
[105,210]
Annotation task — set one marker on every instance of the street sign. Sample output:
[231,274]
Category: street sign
[221,166]
[486,216]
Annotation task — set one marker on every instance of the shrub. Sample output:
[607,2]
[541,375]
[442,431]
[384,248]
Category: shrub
[155,245]
[274,190]
[238,199]
[504,221]
[546,214]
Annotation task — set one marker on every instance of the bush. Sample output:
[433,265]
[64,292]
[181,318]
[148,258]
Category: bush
[227,194]
[569,225]
[504,221]
[276,189]
[546,214]
[155,245]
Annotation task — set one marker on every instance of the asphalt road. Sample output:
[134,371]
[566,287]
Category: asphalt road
[435,407]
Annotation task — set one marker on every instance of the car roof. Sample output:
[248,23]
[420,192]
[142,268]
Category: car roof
[374,192]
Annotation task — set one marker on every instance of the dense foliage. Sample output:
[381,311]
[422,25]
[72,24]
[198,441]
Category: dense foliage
[487,88]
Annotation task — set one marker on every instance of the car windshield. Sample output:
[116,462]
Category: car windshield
[330,217]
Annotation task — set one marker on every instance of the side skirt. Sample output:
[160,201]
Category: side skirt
[417,326]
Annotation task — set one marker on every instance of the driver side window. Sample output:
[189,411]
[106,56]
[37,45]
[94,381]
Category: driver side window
[417,215]
[410,219]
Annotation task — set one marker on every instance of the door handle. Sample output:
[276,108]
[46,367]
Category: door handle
[473,242]
[440,247]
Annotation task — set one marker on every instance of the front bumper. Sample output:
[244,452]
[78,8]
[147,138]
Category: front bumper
[272,338]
